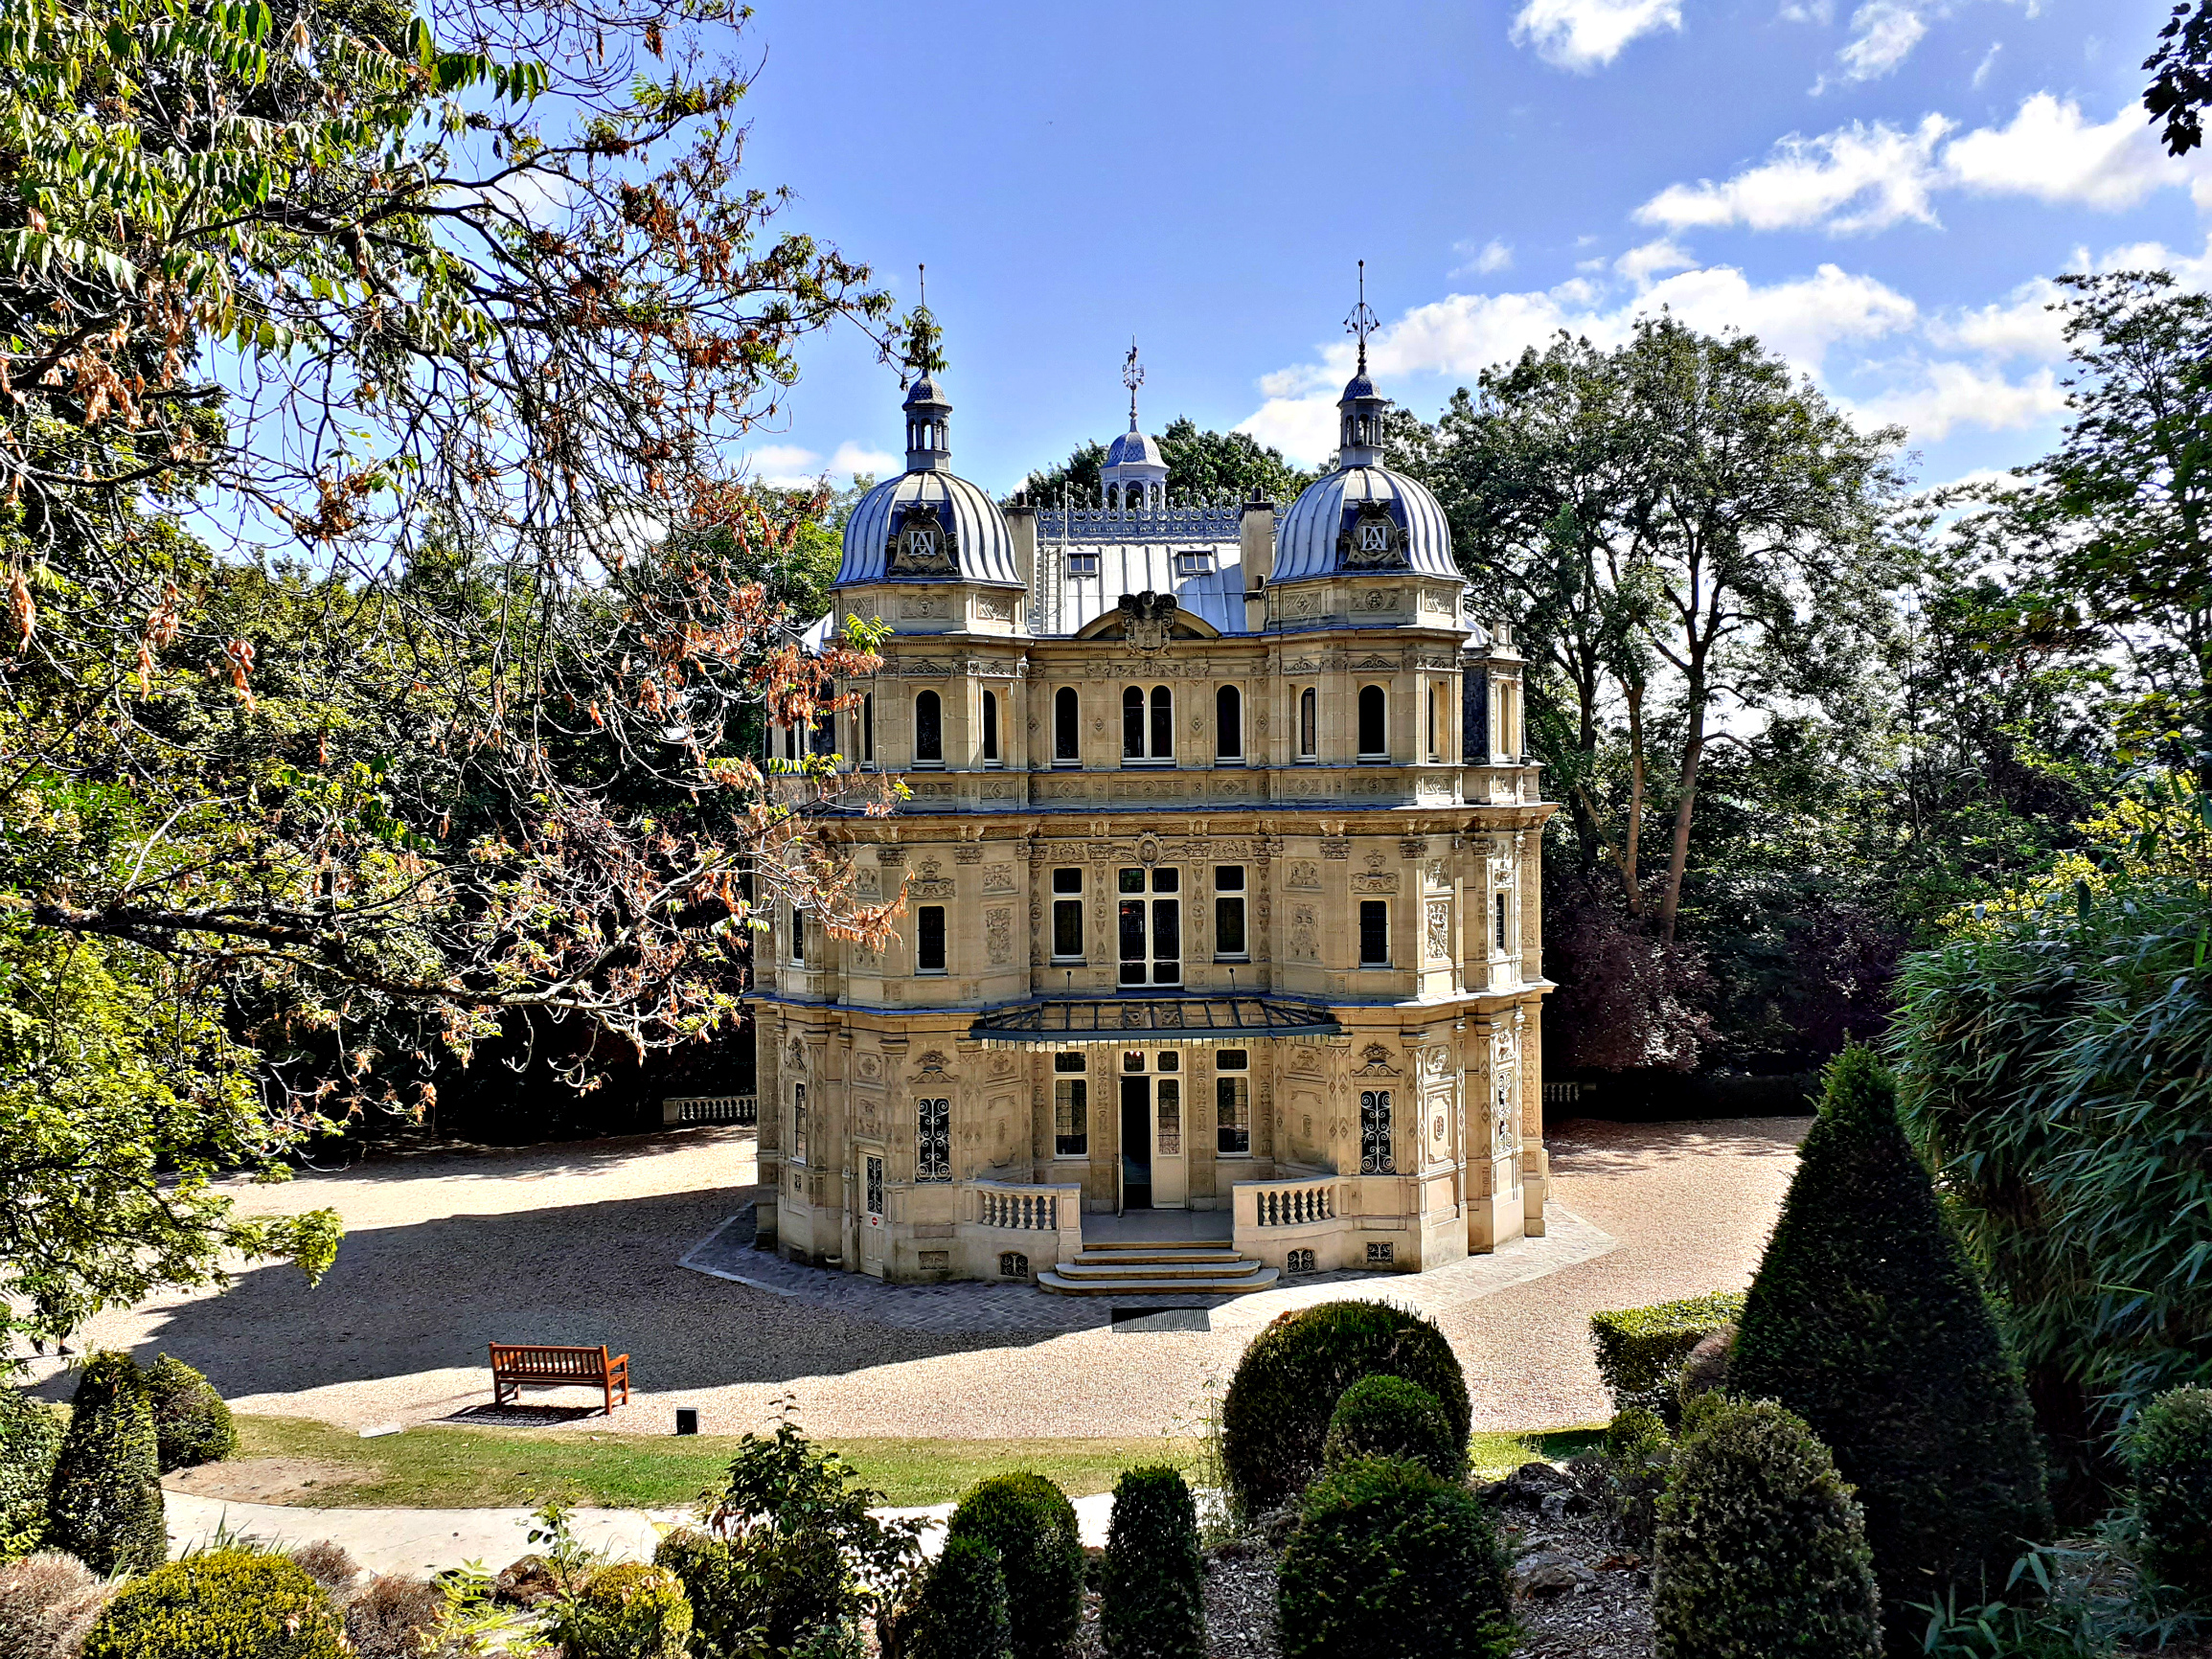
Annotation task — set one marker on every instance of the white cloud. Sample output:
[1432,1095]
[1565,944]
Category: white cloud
[790,466]
[1883,34]
[1864,177]
[1639,265]
[1858,177]
[1495,255]
[1987,63]
[1586,35]
[852,457]
[2021,324]
[1954,394]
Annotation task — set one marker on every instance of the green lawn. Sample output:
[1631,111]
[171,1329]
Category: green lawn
[453,1467]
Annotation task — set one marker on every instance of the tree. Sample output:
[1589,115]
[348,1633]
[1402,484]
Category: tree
[2182,76]
[1203,466]
[1866,1320]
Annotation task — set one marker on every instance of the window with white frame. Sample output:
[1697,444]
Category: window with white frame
[1230,942]
[1229,726]
[990,729]
[867,721]
[1151,926]
[799,1122]
[1066,728]
[1501,922]
[929,729]
[1232,1102]
[929,938]
[1373,723]
[1373,933]
[1067,914]
[1070,1106]
[1148,726]
[798,936]
[1308,724]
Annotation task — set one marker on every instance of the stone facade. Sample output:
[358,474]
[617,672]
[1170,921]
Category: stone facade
[1225,904]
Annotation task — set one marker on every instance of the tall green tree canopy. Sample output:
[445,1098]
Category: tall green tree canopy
[1203,466]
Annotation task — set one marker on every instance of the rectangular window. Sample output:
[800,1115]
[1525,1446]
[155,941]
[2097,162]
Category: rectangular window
[799,1122]
[1373,933]
[798,936]
[1082,564]
[933,1140]
[876,1187]
[868,729]
[929,938]
[1374,1154]
[1171,1109]
[1151,927]
[1070,1107]
[1500,919]
[1232,1104]
[1067,916]
[1194,563]
[1229,942]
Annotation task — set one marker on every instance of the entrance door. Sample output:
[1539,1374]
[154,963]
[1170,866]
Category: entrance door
[1136,1143]
[1170,1172]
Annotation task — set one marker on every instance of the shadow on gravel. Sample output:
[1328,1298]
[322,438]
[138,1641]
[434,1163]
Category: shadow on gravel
[1601,1146]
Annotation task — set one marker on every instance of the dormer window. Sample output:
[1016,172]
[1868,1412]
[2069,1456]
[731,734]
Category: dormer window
[1082,564]
[1194,562]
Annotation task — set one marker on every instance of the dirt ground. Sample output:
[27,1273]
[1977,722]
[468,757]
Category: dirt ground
[578,1243]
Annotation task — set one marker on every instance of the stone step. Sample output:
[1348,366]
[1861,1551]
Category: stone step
[1053,1280]
[1235,1267]
[1134,1258]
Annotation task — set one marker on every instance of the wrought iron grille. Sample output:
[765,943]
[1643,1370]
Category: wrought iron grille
[933,1141]
[1375,1132]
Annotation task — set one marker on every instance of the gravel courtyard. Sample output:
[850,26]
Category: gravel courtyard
[578,1243]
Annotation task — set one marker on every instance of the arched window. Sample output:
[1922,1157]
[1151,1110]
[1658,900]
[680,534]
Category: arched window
[1229,724]
[1374,722]
[1308,724]
[1163,723]
[1147,729]
[929,729]
[1066,733]
[1133,724]
[991,728]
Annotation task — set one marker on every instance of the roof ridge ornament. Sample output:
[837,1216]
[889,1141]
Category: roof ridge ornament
[1361,322]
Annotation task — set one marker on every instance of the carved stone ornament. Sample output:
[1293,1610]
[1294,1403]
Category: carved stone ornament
[931,1064]
[1376,1062]
[795,1056]
[922,544]
[1371,541]
[930,881]
[1148,618]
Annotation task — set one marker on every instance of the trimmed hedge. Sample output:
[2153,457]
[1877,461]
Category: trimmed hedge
[962,1613]
[192,1425]
[1389,1562]
[104,1505]
[1639,1456]
[627,1611]
[30,1439]
[1275,1414]
[1641,1350]
[1761,1553]
[1867,1322]
[1152,1602]
[227,1604]
[1706,1370]
[2170,1455]
[1387,1416]
[1031,1524]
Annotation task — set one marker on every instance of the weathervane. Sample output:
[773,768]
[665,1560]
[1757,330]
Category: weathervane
[1132,377]
[1361,322]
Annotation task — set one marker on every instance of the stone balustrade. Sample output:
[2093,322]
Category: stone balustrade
[741,1109]
[1014,1208]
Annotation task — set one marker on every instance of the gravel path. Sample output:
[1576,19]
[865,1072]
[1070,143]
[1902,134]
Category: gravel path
[578,1243]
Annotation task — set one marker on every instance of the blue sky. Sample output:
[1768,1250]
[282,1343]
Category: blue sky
[1879,189]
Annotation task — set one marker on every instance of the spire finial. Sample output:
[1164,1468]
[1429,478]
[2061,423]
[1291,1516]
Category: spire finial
[1132,377]
[1361,322]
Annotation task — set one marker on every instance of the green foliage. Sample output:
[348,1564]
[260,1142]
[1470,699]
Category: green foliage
[1706,1370]
[1387,1416]
[1152,1601]
[1866,1321]
[2052,1061]
[104,1505]
[1389,1562]
[225,1605]
[2170,1455]
[30,1437]
[1761,1549]
[1641,1349]
[1639,1457]
[734,1599]
[961,1611]
[190,1419]
[1031,1524]
[1203,466]
[627,1611]
[1275,1414]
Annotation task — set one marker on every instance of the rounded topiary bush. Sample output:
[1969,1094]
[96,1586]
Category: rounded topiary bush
[627,1611]
[104,1505]
[1031,1524]
[228,1605]
[30,1437]
[1387,1416]
[1389,1562]
[192,1425]
[1275,1415]
[2170,1455]
[962,1613]
[1762,1550]
[1152,1600]
[1639,1454]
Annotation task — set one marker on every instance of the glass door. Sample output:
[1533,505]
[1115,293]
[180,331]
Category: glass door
[1136,1143]
[1155,1167]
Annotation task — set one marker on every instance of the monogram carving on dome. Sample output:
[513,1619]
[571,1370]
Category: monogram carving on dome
[921,543]
[1373,540]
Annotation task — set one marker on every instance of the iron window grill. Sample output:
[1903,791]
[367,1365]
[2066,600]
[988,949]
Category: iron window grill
[1375,1157]
[933,1141]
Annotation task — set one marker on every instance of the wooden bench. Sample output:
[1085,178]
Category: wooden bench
[513,1366]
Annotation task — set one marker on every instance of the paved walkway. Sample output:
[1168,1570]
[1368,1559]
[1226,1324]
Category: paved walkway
[578,1243]
[426,1541]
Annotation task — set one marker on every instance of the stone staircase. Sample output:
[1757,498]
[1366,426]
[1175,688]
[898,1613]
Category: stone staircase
[1159,1267]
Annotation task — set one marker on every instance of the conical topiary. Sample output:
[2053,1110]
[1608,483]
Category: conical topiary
[1868,1321]
[1153,1600]
[104,1505]
[1761,1551]
[962,1610]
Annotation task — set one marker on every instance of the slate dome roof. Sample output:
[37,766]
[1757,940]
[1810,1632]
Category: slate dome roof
[1135,448]
[1307,541]
[983,547]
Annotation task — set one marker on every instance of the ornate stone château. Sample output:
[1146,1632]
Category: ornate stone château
[1221,866]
